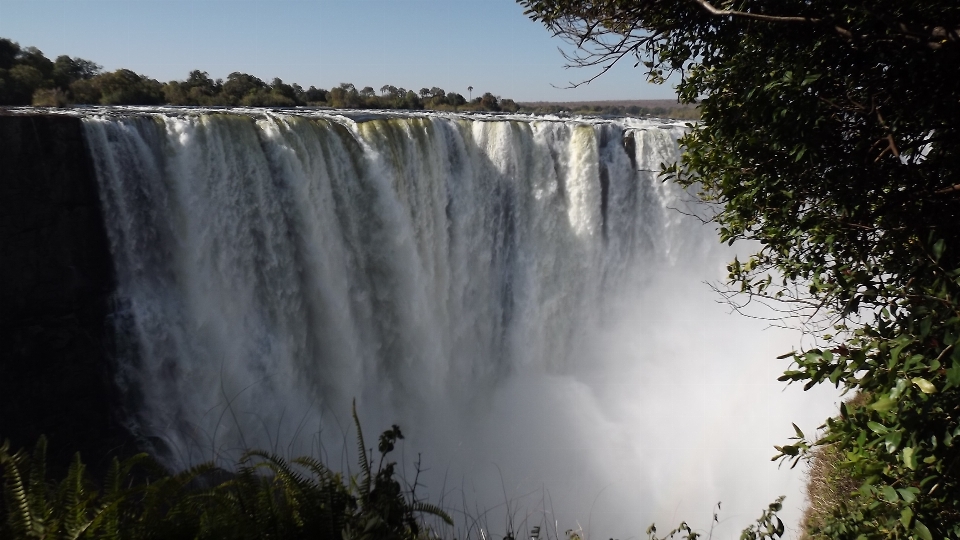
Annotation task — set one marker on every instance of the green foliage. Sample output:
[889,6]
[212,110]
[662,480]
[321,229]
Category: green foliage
[28,77]
[829,134]
[49,97]
[264,497]
[767,527]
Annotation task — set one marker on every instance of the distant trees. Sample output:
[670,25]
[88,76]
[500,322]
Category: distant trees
[198,89]
[124,87]
[25,72]
[28,77]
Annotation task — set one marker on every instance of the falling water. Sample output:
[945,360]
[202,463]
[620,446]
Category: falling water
[523,296]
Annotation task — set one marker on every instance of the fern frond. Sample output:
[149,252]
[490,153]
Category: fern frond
[38,466]
[431,509]
[73,500]
[278,465]
[321,471]
[36,489]
[106,516]
[291,482]
[362,449]
[19,516]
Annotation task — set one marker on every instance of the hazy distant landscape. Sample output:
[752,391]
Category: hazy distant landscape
[668,108]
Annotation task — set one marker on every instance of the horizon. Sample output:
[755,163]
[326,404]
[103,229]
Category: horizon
[319,43]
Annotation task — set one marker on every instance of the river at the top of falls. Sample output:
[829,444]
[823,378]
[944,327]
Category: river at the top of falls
[522,294]
[356,115]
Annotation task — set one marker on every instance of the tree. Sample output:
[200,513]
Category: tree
[455,99]
[8,53]
[315,95]
[829,133]
[124,87]
[239,85]
[22,73]
[33,57]
[489,102]
[344,96]
[198,89]
[66,70]
[19,84]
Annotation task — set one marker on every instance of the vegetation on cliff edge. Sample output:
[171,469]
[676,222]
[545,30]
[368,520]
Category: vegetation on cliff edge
[829,134]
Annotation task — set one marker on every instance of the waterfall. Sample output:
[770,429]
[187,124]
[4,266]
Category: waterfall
[487,283]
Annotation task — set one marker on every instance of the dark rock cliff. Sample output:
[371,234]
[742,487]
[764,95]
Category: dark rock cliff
[55,286]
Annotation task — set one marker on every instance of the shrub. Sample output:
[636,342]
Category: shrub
[49,97]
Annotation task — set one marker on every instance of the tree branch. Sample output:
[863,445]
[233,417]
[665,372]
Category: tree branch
[756,16]
[934,37]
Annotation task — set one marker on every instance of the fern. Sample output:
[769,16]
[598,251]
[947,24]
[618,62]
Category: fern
[431,509]
[36,491]
[72,501]
[364,463]
[19,517]
[267,497]
[323,474]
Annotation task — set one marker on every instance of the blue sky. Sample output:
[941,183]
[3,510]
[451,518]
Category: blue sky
[453,44]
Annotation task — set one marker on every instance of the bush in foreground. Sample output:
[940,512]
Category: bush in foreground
[265,497]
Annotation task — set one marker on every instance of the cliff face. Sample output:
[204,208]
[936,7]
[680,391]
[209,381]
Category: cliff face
[55,284]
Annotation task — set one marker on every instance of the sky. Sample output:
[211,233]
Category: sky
[453,44]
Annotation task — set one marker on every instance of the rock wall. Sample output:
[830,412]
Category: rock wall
[55,285]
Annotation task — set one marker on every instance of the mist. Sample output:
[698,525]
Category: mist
[523,296]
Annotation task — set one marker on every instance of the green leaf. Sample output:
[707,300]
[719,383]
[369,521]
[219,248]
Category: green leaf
[884,404]
[889,493]
[799,433]
[892,441]
[925,386]
[938,250]
[922,531]
[910,458]
[895,352]
[877,428]
[953,375]
[907,494]
[905,516]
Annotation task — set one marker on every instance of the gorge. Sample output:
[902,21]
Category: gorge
[521,294]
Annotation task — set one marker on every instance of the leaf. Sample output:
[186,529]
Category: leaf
[922,531]
[799,433]
[925,327]
[910,458]
[889,493]
[938,250]
[907,495]
[953,374]
[925,386]
[905,516]
[892,441]
[884,404]
[877,428]
[895,352]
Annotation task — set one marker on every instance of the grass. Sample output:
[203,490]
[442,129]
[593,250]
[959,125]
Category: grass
[828,483]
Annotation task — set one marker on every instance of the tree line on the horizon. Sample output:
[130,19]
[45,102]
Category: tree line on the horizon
[679,112]
[27,77]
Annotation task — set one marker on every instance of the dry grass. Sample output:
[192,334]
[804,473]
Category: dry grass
[827,483]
